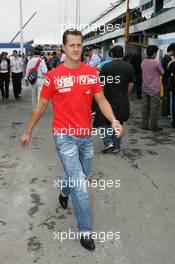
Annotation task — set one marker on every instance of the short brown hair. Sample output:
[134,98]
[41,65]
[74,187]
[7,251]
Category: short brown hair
[74,32]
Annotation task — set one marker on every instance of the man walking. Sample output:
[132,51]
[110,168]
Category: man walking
[151,72]
[71,86]
[118,79]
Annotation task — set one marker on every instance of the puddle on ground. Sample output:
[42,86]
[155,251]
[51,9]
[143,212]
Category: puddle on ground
[33,180]
[36,200]
[34,244]
[7,165]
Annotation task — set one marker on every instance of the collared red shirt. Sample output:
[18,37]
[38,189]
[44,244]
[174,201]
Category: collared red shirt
[71,91]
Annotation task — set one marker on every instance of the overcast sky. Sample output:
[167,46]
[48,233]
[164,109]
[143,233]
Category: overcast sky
[49,14]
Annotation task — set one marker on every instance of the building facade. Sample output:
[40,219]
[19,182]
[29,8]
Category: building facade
[149,20]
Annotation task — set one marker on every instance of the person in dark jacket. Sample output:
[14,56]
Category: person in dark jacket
[165,79]
[55,59]
[4,75]
[171,73]
[117,78]
[136,61]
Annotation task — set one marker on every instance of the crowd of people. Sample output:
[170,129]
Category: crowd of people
[146,80]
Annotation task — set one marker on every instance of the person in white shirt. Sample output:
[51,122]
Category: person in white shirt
[41,71]
[4,75]
[17,73]
[94,60]
[62,59]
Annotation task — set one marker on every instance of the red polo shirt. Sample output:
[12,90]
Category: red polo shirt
[71,91]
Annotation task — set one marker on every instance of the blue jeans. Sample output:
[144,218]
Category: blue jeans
[76,157]
[110,139]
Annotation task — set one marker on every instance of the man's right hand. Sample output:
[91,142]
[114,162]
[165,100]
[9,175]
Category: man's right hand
[36,114]
[25,139]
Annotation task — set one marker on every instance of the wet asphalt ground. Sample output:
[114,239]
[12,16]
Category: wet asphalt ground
[142,209]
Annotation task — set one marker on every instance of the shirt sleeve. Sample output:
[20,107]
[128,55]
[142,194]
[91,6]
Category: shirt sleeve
[102,75]
[160,68]
[48,87]
[96,86]
[43,67]
[102,71]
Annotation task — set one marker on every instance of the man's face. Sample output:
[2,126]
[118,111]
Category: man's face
[15,54]
[73,48]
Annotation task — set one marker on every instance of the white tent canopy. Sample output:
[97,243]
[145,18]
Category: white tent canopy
[53,38]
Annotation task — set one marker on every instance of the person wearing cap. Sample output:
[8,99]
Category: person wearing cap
[41,71]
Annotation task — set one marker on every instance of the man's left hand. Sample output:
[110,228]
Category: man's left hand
[118,129]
